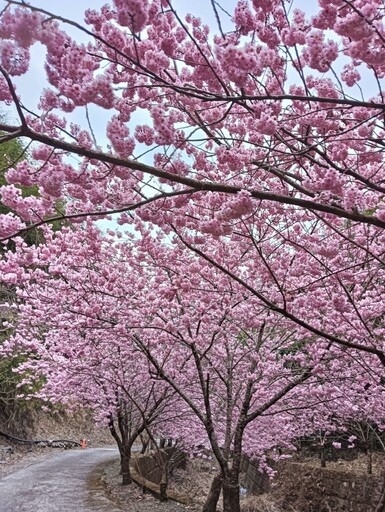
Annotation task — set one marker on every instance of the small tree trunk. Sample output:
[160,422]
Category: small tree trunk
[163,491]
[213,496]
[323,457]
[125,469]
[145,443]
[231,501]
[369,467]
[162,443]
[164,484]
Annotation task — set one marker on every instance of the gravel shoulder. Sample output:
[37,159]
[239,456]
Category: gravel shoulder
[194,481]
[132,498]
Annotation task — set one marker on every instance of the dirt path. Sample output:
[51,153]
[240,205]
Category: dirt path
[69,481]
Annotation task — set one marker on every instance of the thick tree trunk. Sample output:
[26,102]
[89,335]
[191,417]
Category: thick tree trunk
[125,454]
[213,496]
[231,502]
[125,469]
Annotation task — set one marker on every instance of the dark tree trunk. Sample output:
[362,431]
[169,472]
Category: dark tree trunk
[213,496]
[231,502]
[369,468]
[162,443]
[163,491]
[323,457]
[125,469]
[164,483]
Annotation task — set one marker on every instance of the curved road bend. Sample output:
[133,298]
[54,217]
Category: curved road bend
[67,482]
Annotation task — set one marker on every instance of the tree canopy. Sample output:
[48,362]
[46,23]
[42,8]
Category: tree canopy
[241,150]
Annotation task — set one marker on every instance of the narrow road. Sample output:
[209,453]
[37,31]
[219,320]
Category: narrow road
[67,482]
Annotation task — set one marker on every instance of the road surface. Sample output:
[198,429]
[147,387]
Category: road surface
[67,482]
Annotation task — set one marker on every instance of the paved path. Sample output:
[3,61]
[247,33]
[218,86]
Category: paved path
[67,482]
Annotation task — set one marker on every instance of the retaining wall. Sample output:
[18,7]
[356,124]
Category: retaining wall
[308,488]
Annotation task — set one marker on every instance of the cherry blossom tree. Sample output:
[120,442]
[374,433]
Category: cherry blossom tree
[112,321]
[247,156]
[289,136]
[81,361]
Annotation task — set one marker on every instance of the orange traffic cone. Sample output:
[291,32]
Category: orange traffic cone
[83,445]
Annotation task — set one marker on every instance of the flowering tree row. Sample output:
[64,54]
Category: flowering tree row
[246,160]
[147,331]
